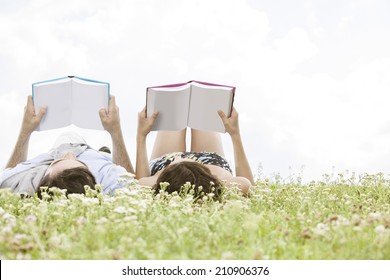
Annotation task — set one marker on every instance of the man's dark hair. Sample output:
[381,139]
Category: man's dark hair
[72,180]
[189,171]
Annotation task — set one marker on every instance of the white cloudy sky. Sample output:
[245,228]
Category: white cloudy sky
[312,77]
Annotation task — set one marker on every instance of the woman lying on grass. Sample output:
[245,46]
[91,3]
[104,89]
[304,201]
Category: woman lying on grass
[204,165]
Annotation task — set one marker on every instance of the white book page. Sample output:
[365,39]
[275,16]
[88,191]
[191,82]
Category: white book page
[56,97]
[172,106]
[205,104]
[87,99]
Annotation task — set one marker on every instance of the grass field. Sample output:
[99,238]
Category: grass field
[336,218]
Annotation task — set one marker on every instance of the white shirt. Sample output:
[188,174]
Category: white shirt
[106,173]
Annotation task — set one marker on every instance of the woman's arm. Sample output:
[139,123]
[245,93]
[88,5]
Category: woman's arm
[142,164]
[148,181]
[111,122]
[241,162]
[29,124]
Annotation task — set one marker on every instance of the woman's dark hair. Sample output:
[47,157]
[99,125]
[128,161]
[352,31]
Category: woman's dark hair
[191,172]
[72,180]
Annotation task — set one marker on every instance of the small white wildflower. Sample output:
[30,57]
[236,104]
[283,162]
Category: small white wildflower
[322,226]
[21,256]
[134,192]
[127,178]
[55,241]
[375,216]
[183,230]
[26,206]
[321,229]
[188,210]
[102,220]
[188,199]
[30,219]
[8,228]
[81,220]
[380,229]
[99,188]
[58,192]
[8,217]
[267,190]
[130,218]
[42,206]
[75,196]
[356,219]
[20,236]
[344,221]
[120,210]
[357,228]
[141,204]
[61,203]
[227,255]
[90,201]
[343,240]
[174,204]
[131,211]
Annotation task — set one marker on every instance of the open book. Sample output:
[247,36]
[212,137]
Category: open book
[193,104]
[71,100]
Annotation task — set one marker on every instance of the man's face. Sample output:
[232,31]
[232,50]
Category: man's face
[67,161]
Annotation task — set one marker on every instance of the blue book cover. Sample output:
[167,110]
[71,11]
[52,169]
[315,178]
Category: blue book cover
[71,100]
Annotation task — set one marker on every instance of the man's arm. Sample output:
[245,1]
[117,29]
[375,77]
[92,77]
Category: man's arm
[111,122]
[144,127]
[241,162]
[29,124]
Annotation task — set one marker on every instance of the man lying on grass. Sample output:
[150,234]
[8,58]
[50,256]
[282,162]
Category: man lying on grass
[71,163]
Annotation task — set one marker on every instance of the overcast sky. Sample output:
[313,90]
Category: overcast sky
[312,77]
